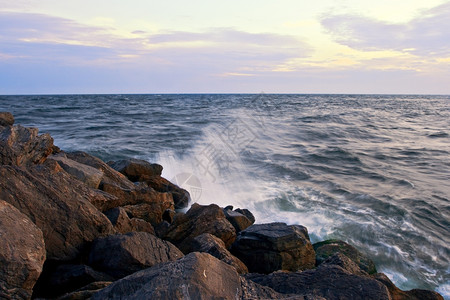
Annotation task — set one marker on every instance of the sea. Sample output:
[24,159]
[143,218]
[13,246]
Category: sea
[372,170]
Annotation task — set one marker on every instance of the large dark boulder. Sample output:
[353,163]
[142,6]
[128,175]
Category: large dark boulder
[200,219]
[121,255]
[22,146]
[216,247]
[329,281]
[58,204]
[328,248]
[134,169]
[196,276]
[6,119]
[22,253]
[266,248]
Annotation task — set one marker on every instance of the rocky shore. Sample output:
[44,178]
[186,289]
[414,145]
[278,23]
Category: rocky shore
[75,227]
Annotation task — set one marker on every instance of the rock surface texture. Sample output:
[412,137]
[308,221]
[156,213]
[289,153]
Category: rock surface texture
[266,248]
[22,253]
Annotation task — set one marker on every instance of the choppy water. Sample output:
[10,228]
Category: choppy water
[369,169]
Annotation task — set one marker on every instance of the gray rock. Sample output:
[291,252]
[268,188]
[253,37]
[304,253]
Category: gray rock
[200,219]
[22,146]
[266,248]
[328,281]
[22,253]
[58,204]
[86,292]
[121,255]
[328,248]
[87,174]
[196,276]
[216,247]
[237,219]
[6,119]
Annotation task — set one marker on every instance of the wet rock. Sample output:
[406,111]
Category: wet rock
[237,219]
[6,119]
[58,204]
[216,247]
[200,219]
[87,174]
[266,248]
[328,281]
[61,279]
[121,255]
[22,146]
[345,263]
[123,224]
[134,169]
[22,253]
[398,294]
[328,248]
[180,196]
[196,276]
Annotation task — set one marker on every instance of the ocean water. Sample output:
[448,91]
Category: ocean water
[373,170]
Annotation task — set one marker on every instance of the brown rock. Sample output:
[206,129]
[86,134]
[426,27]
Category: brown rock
[20,146]
[86,292]
[6,119]
[121,255]
[265,248]
[87,174]
[22,253]
[57,204]
[134,169]
[216,247]
[123,224]
[195,276]
[180,196]
[237,219]
[200,219]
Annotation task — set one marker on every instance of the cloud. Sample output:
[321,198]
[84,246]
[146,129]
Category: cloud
[426,35]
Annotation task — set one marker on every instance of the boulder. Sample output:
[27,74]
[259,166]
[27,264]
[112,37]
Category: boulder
[57,280]
[328,248]
[345,263]
[22,253]
[134,169]
[123,224]
[123,254]
[200,219]
[266,248]
[331,282]
[6,119]
[216,247]
[58,204]
[398,294]
[195,276]
[87,174]
[237,219]
[246,213]
[181,197]
[22,146]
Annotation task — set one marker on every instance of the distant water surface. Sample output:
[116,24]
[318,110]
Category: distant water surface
[373,170]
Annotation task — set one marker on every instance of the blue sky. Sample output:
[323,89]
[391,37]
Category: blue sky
[248,46]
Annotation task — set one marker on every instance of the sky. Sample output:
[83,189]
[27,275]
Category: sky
[246,46]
